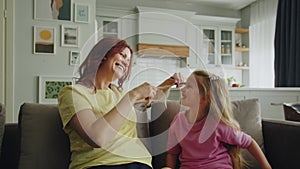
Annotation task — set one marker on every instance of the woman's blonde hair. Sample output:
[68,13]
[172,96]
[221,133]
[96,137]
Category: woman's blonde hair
[215,88]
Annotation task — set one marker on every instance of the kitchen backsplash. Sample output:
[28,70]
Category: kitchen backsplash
[155,69]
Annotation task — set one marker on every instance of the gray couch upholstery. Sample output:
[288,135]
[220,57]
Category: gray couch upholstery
[38,141]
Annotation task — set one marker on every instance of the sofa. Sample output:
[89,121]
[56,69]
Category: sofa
[37,141]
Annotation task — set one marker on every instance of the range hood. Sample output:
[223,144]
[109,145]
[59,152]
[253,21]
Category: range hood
[162,50]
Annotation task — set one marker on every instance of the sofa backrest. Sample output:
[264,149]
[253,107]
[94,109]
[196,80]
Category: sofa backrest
[282,139]
[161,117]
[43,141]
[44,144]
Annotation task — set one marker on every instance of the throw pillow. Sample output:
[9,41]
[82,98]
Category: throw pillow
[248,114]
[43,141]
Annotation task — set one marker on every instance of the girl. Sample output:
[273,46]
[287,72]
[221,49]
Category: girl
[206,135]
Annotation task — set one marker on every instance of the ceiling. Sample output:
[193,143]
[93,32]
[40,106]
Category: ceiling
[227,4]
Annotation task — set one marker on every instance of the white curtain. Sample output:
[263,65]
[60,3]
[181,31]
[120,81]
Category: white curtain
[262,34]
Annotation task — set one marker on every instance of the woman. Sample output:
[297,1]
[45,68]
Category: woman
[99,116]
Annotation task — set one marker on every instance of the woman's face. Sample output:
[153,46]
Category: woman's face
[190,93]
[119,63]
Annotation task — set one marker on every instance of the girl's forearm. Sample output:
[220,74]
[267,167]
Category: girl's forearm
[255,150]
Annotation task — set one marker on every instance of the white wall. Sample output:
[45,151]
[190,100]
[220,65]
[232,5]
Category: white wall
[25,66]
[200,9]
[28,66]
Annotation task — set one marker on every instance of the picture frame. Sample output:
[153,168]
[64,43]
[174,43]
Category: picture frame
[50,86]
[44,40]
[82,13]
[69,35]
[53,10]
[74,58]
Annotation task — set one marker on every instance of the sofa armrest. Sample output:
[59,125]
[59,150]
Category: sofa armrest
[282,143]
[10,147]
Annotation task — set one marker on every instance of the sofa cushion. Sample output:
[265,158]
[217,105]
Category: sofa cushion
[43,141]
[2,122]
[248,113]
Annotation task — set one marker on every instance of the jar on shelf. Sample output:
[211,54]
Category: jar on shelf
[222,49]
[228,51]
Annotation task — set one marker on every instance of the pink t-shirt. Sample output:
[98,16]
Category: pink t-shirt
[211,154]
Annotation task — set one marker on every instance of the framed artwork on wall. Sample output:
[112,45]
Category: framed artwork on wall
[74,58]
[43,40]
[69,36]
[50,86]
[81,13]
[53,10]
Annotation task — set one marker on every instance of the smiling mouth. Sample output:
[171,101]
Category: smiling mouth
[121,66]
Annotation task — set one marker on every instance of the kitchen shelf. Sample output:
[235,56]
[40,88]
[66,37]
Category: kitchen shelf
[242,67]
[161,49]
[242,49]
[241,30]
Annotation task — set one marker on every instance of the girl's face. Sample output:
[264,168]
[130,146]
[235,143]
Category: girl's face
[190,93]
[119,63]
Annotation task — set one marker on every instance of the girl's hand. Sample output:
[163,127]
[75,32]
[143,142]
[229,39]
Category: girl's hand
[178,79]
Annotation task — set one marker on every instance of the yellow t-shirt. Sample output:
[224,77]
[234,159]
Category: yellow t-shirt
[125,147]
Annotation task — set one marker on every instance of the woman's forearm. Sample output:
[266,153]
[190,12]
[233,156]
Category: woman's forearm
[102,130]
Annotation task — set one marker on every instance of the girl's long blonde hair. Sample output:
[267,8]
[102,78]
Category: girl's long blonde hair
[215,88]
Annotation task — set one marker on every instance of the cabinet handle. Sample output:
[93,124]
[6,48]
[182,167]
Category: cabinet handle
[276,104]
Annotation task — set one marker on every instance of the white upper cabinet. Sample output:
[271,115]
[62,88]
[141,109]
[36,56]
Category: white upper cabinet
[122,25]
[108,26]
[216,39]
[219,44]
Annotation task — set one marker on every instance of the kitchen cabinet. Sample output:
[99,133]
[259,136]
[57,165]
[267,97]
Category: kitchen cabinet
[108,26]
[216,40]
[219,43]
[124,28]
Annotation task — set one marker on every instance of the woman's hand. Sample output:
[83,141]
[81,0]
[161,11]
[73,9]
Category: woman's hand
[176,79]
[142,93]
